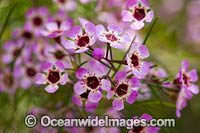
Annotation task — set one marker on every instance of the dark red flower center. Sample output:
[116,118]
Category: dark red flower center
[185,79]
[83,41]
[122,89]
[92,82]
[54,76]
[139,13]
[59,55]
[16,52]
[135,60]
[62,1]
[111,37]
[138,129]
[37,21]
[8,80]
[85,94]
[28,35]
[31,72]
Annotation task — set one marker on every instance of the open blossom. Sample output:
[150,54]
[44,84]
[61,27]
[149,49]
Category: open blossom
[113,35]
[52,76]
[36,18]
[56,29]
[66,4]
[135,61]
[125,89]
[80,40]
[186,80]
[140,129]
[138,12]
[90,81]
[26,72]
[13,50]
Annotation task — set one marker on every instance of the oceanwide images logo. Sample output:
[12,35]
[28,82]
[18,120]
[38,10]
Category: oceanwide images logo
[96,121]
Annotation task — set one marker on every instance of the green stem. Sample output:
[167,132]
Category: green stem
[150,30]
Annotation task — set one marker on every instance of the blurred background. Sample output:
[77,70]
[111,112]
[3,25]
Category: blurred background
[175,37]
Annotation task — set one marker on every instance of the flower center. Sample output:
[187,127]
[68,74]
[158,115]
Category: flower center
[135,60]
[111,37]
[185,79]
[138,129]
[139,13]
[8,80]
[37,21]
[54,76]
[27,35]
[31,72]
[92,82]
[16,52]
[62,1]
[85,94]
[122,89]
[83,41]
[59,55]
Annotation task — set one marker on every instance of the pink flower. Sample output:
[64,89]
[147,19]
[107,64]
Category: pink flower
[186,80]
[55,29]
[125,89]
[36,19]
[52,76]
[80,40]
[138,12]
[12,50]
[135,61]
[91,82]
[66,4]
[113,36]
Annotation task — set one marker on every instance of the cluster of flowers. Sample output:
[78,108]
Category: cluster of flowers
[34,59]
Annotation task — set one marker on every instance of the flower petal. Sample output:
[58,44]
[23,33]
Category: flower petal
[120,76]
[110,94]
[46,66]
[115,28]
[149,16]
[193,88]
[59,65]
[116,45]
[68,44]
[193,75]
[118,104]
[51,88]
[52,26]
[106,85]
[64,79]
[144,53]
[130,99]
[134,82]
[40,79]
[126,16]
[95,96]
[185,65]
[74,32]
[81,72]
[77,100]
[137,25]
[79,88]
